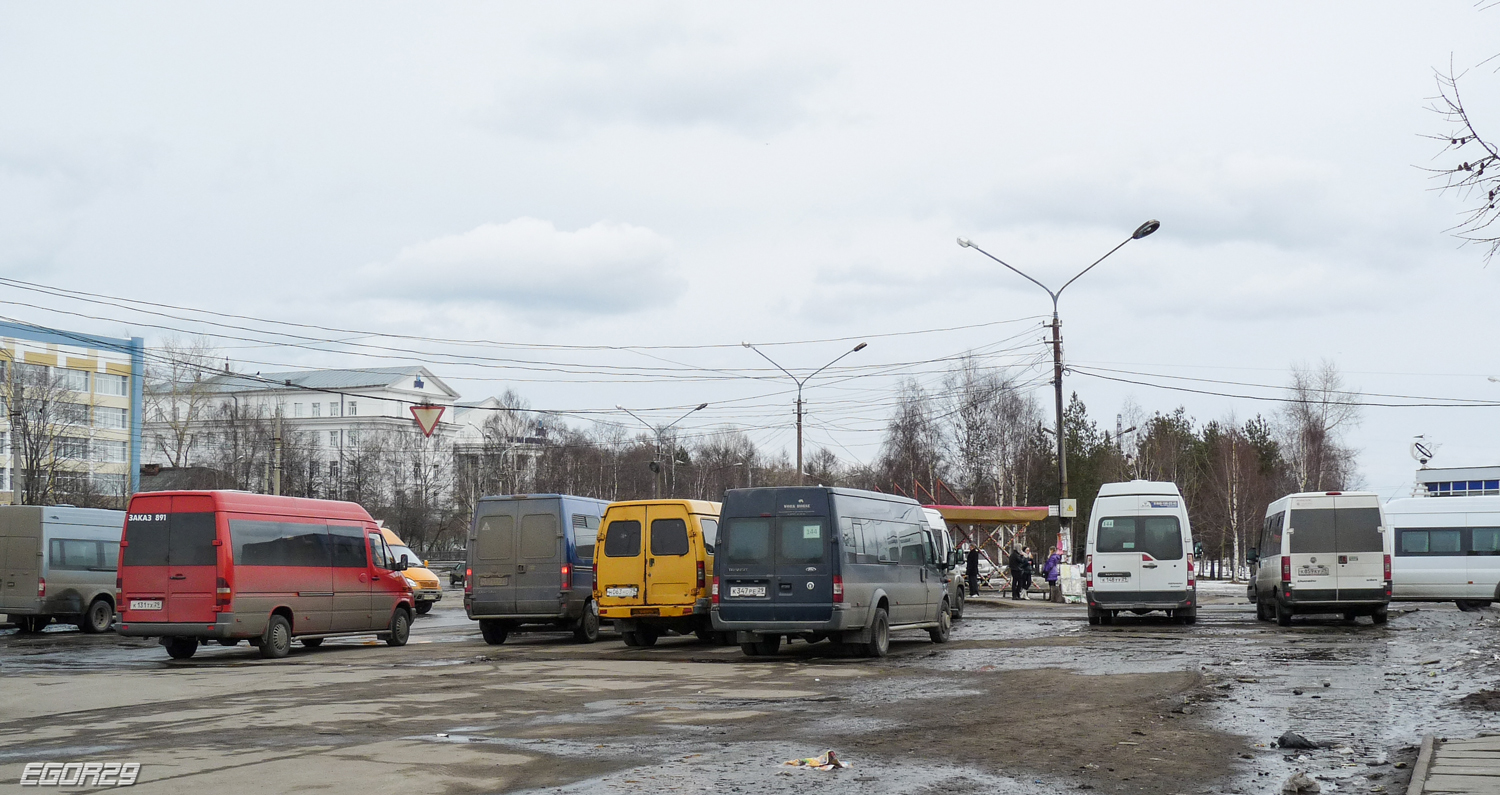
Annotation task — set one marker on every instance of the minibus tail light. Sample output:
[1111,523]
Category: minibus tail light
[1286,568]
[838,589]
[1191,572]
[119,589]
[468,582]
[1387,567]
[1088,571]
[715,594]
[222,593]
[567,576]
[700,575]
[41,587]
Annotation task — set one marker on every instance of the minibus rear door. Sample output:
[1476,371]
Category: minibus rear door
[192,560]
[671,568]
[1361,548]
[495,562]
[803,578]
[1117,555]
[620,561]
[539,564]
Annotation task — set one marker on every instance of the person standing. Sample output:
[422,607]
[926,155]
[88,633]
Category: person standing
[971,572]
[1052,570]
[1016,565]
[1028,569]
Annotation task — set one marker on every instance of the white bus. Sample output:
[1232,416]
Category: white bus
[1447,549]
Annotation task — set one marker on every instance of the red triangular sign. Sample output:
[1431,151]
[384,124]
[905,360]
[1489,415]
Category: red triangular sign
[427,417]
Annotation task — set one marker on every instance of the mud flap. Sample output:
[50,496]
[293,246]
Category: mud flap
[855,636]
[621,624]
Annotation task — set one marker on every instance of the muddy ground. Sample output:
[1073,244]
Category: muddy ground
[1024,699]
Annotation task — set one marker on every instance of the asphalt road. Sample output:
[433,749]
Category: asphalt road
[1024,699]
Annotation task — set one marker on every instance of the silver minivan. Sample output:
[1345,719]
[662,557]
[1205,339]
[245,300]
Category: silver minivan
[59,562]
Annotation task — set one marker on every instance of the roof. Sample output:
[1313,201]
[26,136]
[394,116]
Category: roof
[248,502]
[1145,488]
[360,378]
[990,514]
[693,506]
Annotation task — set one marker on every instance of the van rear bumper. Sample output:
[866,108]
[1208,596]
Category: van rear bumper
[844,618]
[1143,600]
[223,627]
[1334,600]
[700,607]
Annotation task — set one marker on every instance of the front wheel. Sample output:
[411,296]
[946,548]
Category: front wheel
[98,617]
[941,632]
[181,648]
[423,608]
[277,642]
[750,649]
[400,628]
[587,630]
[880,635]
[494,632]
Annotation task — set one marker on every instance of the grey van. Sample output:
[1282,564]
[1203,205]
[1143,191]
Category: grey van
[843,564]
[531,564]
[58,562]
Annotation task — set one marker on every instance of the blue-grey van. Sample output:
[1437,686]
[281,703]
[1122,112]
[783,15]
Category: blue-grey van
[531,565]
[821,563]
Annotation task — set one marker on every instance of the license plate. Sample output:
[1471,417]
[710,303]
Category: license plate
[1312,571]
[145,604]
[747,590]
[622,593]
[1114,575]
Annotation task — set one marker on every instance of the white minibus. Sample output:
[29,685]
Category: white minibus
[1447,549]
[1139,553]
[1323,552]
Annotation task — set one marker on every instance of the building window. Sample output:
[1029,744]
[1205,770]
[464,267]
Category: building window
[107,384]
[110,450]
[73,380]
[333,408]
[111,483]
[353,437]
[4,478]
[353,408]
[296,409]
[333,439]
[333,471]
[312,470]
[107,417]
[317,409]
[73,413]
[73,447]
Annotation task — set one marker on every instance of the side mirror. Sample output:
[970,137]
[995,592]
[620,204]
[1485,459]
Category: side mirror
[402,565]
[1252,557]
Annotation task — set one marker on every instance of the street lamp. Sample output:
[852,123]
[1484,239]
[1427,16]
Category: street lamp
[1065,536]
[660,434]
[802,476]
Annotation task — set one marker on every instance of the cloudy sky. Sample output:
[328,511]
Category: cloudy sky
[656,174]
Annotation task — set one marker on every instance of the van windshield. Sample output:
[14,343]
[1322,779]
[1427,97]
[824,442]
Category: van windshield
[1157,536]
[1317,530]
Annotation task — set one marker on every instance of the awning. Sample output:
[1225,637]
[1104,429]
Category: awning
[990,514]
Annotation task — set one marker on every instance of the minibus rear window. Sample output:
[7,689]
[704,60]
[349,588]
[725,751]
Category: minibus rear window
[497,537]
[803,540]
[1157,536]
[669,537]
[622,539]
[1359,529]
[746,541]
[1312,531]
[539,536]
[1318,530]
[177,539]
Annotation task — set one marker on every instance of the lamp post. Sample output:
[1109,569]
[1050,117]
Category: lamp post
[1065,534]
[660,434]
[802,476]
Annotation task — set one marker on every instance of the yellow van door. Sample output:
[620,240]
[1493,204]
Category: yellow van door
[619,559]
[671,566]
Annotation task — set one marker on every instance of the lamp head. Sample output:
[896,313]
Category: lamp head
[859,347]
[965,242]
[1146,229]
[620,407]
[701,406]
[747,345]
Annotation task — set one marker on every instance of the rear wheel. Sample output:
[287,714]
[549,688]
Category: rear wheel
[646,635]
[30,625]
[98,617]
[494,632]
[1106,617]
[940,633]
[1262,612]
[181,648]
[1350,616]
[1094,617]
[958,606]
[277,642]
[227,642]
[587,630]
[880,635]
[1283,615]
[311,643]
[400,628]
[423,608]
[1380,615]
[769,645]
[750,649]
[1188,616]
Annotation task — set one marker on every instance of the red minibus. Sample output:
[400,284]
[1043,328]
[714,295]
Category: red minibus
[230,566]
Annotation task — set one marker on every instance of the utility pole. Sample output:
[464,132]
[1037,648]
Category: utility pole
[276,453]
[660,437]
[800,382]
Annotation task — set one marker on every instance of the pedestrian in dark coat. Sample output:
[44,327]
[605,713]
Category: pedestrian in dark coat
[1017,569]
[1028,569]
[972,572]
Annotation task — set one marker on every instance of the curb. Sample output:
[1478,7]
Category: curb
[1420,769]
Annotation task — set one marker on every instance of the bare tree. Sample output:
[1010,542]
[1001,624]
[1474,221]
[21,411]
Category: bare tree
[909,455]
[1312,428]
[1472,167]
[45,418]
[179,396]
[987,421]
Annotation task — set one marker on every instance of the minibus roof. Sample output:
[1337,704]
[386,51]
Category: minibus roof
[247,502]
[693,506]
[1140,488]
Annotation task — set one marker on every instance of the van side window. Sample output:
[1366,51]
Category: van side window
[622,539]
[347,545]
[75,554]
[888,545]
[539,536]
[1486,541]
[913,551]
[497,537]
[669,537]
[381,553]
[848,528]
[585,535]
[258,543]
[710,533]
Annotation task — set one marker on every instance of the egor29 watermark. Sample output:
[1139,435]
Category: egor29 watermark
[80,774]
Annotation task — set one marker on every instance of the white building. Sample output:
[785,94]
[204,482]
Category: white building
[1459,481]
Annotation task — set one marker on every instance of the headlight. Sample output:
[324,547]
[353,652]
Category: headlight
[410,583]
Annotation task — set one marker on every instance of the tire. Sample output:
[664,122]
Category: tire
[1094,617]
[750,649]
[98,617]
[1380,615]
[587,630]
[725,638]
[646,635]
[631,639]
[494,632]
[769,645]
[1350,616]
[31,625]
[181,648]
[879,644]
[423,608]
[311,643]
[231,642]
[958,606]
[706,636]
[1106,617]
[941,632]
[400,628]
[1262,612]
[1189,616]
[1283,615]
[277,642]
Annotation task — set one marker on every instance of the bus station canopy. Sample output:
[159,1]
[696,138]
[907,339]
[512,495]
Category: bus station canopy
[990,514]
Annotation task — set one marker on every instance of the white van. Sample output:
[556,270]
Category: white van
[1139,553]
[1323,552]
[1447,549]
[953,577]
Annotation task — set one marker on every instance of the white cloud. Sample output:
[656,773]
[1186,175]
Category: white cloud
[529,264]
